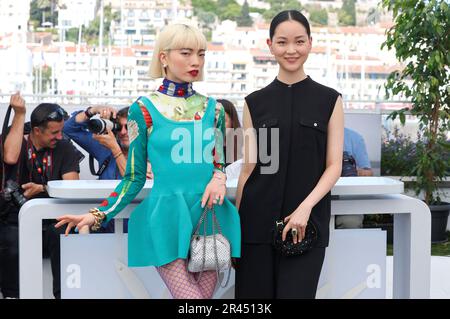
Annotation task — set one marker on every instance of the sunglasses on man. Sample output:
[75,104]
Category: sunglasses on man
[57,115]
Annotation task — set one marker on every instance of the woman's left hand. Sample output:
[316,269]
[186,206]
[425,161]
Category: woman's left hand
[214,193]
[297,220]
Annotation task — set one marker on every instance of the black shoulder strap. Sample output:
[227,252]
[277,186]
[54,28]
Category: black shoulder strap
[2,139]
[102,167]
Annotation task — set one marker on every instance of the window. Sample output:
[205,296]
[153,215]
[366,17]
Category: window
[143,62]
[144,15]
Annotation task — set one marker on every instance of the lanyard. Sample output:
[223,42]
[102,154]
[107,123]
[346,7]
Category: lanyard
[43,169]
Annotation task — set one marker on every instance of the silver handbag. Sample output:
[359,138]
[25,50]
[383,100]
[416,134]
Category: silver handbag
[209,252]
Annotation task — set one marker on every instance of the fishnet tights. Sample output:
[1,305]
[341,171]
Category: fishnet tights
[176,277]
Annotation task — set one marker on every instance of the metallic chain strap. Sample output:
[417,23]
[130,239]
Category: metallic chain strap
[204,220]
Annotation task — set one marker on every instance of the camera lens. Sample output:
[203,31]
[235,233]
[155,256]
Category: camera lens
[100,126]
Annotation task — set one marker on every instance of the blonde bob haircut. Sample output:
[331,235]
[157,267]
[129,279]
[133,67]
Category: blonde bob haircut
[173,37]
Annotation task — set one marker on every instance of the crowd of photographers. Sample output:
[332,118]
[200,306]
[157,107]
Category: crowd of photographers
[42,150]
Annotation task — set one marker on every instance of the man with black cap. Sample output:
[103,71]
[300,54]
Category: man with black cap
[30,162]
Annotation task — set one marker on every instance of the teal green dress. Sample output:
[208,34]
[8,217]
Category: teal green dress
[180,153]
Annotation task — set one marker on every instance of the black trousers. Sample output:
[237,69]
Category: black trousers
[264,274]
[9,258]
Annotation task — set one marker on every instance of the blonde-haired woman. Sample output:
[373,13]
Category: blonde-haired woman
[181,133]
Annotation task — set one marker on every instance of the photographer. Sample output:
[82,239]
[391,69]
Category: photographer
[109,149]
[31,161]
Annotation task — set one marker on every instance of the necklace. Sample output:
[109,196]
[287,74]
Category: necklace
[175,89]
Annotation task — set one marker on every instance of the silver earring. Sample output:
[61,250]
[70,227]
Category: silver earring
[164,66]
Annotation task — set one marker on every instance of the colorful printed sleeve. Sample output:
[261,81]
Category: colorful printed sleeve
[135,173]
[218,152]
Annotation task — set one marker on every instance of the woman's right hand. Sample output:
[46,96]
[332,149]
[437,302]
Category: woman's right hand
[78,221]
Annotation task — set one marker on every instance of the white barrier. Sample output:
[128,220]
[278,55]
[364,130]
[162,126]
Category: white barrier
[357,195]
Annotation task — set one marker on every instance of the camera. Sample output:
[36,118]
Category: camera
[11,192]
[348,165]
[101,126]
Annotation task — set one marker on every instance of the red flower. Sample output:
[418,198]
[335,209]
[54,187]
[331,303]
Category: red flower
[197,116]
[104,203]
[180,92]
[39,170]
[113,194]
[161,88]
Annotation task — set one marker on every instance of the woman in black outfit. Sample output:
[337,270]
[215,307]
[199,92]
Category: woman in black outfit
[306,121]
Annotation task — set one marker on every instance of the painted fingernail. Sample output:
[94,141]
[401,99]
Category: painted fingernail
[76,229]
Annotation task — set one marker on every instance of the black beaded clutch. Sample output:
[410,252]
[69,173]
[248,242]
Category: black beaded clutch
[287,247]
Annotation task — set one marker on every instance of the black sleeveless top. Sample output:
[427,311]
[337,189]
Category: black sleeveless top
[300,112]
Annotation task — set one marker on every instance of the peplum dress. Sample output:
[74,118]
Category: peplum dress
[182,160]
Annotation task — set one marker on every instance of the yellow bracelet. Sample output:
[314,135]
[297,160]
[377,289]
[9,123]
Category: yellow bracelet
[99,217]
[117,155]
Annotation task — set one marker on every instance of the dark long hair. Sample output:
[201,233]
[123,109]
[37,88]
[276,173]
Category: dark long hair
[231,111]
[288,15]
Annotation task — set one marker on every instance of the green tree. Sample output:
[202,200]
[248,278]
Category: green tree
[373,16]
[347,14]
[92,32]
[228,10]
[244,20]
[318,16]
[206,18]
[38,8]
[277,6]
[204,6]
[45,80]
[72,35]
[420,39]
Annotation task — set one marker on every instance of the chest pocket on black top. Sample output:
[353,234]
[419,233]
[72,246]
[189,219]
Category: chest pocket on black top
[313,134]
[265,129]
